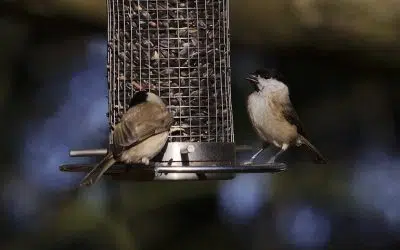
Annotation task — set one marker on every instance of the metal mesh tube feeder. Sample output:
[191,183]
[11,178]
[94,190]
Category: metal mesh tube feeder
[180,50]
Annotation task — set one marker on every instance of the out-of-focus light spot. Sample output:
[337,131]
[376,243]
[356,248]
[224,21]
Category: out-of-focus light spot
[240,199]
[304,226]
[376,186]
[80,119]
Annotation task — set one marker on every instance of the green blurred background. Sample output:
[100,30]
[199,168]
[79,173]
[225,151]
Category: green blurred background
[341,60]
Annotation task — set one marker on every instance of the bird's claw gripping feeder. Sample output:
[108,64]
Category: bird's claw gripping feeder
[179,49]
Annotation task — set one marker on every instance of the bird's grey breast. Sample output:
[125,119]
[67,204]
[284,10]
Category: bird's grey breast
[260,114]
[266,116]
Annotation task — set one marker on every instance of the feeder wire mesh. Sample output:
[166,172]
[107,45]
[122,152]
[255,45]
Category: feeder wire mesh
[179,49]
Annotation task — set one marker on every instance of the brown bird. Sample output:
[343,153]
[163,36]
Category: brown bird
[273,116]
[139,136]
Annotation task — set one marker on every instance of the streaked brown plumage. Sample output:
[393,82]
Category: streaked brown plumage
[138,124]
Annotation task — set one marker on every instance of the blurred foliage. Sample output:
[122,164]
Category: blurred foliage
[366,25]
[341,59]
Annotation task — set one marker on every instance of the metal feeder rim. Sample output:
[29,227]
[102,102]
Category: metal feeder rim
[120,168]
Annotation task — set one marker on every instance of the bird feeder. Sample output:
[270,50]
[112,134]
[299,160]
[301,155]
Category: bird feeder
[180,50]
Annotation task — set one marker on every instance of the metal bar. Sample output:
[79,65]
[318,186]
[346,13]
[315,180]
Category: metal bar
[88,152]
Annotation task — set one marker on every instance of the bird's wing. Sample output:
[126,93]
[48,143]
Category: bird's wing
[139,123]
[290,114]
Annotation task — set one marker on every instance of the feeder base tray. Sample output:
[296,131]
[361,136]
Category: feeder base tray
[164,173]
[181,161]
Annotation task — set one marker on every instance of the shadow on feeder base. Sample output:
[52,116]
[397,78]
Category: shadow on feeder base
[181,161]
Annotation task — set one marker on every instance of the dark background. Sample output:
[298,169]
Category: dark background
[341,61]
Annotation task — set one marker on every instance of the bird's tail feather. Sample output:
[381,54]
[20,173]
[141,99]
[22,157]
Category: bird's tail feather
[319,158]
[94,175]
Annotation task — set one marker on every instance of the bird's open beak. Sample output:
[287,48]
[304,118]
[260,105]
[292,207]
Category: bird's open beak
[252,79]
